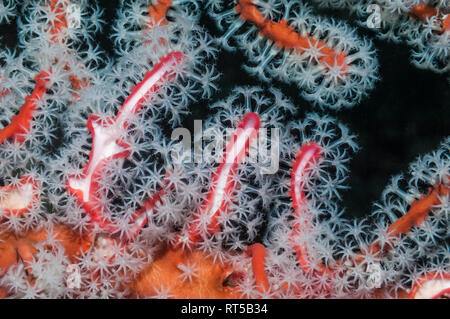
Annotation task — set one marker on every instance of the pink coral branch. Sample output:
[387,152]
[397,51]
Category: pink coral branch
[223,182]
[107,141]
[308,154]
[21,123]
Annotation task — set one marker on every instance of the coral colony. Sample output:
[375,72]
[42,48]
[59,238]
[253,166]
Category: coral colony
[424,25]
[97,201]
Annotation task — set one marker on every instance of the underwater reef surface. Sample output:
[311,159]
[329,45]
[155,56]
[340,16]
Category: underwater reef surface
[224,149]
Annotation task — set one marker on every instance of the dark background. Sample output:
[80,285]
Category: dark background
[407,115]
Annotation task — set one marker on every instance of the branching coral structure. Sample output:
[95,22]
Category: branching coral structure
[330,64]
[422,24]
[99,200]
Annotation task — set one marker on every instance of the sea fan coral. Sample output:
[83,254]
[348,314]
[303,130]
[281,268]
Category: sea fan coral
[104,195]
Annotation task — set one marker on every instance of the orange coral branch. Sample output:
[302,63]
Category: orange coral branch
[20,124]
[285,37]
[8,254]
[3,293]
[56,29]
[208,278]
[258,254]
[157,12]
[418,211]
[14,248]
[416,215]
[424,11]
[61,21]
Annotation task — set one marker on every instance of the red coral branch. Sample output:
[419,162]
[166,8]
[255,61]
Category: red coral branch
[18,198]
[431,286]
[223,182]
[308,154]
[21,123]
[285,37]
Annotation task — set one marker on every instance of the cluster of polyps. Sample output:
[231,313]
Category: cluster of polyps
[330,65]
[30,110]
[107,146]
[43,173]
[103,256]
[423,24]
[431,285]
[361,259]
[203,275]
[136,224]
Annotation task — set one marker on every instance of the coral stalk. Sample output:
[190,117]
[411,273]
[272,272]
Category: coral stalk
[223,182]
[258,254]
